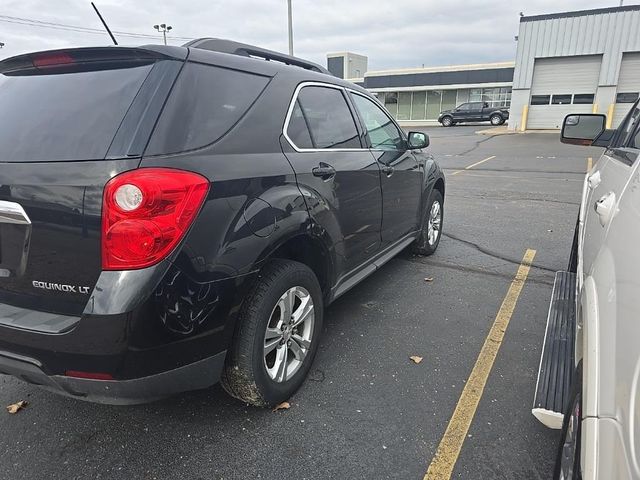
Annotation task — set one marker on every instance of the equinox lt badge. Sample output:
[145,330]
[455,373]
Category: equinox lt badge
[60,287]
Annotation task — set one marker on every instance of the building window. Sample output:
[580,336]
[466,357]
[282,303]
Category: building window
[391,102]
[495,97]
[629,97]
[563,99]
[418,105]
[404,106]
[583,98]
[475,95]
[434,98]
[540,99]
[448,100]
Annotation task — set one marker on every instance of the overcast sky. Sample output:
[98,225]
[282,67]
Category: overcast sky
[393,34]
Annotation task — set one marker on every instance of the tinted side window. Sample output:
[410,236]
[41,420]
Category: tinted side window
[206,103]
[298,130]
[628,127]
[327,117]
[383,133]
[464,107]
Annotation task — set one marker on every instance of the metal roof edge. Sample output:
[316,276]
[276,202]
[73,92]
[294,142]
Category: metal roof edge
[579,13]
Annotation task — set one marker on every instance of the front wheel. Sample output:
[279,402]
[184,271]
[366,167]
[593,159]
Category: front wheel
[568,459]
[277,335]
[432,218]
[447,121]
[496,119]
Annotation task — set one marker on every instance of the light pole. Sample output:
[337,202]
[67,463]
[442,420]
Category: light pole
[290,27]
[164,28]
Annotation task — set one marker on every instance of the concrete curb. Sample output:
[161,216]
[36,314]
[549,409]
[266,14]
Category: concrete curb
[504,131]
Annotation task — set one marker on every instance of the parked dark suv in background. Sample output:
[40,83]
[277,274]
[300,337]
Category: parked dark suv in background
[474,112]
[173,216]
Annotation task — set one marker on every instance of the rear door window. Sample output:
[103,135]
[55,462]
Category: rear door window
[64,116]
[325,113]
[206,103]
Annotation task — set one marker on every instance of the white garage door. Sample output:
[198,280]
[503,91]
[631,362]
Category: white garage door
[562,85]
[628,86]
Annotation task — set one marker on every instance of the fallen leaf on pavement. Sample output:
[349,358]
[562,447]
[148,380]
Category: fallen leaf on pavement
[16,407]
[415,359]
[282,406]
[428,279]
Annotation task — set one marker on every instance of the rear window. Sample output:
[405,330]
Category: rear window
[205,104]
[64,116]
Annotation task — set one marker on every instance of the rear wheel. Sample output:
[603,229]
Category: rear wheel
[568,459]
[429,237]
[447,121]
[496,119]
[277,335]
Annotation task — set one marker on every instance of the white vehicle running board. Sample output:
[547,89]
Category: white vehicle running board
[548,418]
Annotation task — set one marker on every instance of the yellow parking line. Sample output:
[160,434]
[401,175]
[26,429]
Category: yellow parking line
[441,466]
[474,165]
[589,164]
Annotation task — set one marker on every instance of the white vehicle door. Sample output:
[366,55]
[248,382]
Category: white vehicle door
[616,280]
[604,185]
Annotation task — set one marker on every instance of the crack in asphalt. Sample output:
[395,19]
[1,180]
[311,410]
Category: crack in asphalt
[518,170]
[509,198]
[477,144]
[497,255]
[467,269]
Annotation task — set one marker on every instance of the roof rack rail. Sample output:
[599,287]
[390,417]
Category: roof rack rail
[242,49]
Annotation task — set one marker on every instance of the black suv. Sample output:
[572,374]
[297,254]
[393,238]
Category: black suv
[474,112]
[175,216]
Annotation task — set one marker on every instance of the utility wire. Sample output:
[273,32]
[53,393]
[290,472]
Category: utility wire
[76,28]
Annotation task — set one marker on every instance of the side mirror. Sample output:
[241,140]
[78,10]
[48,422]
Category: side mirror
[582,128]
[418,140]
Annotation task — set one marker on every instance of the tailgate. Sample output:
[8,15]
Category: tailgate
[69,121]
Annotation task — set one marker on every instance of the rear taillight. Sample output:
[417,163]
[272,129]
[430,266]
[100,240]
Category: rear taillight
[145,214]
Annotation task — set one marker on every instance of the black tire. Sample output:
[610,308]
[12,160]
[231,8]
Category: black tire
[245,374]
[575,401]
[496,119]
[446,121]
[422,245]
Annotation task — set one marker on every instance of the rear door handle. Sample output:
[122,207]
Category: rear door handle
[324,171]
[606,208]
[388,171]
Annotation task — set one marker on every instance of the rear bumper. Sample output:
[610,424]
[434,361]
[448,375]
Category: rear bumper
[160,338]
[194,376]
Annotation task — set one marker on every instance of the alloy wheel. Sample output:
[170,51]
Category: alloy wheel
[434,222]
[289,334]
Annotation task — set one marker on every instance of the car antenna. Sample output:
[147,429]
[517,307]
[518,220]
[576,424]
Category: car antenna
[104,23]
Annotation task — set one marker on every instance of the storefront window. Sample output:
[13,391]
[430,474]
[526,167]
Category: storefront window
[391,102]
[404,106]
[449,99]
[475,95]
[418,105]
[427,105]
[434,98]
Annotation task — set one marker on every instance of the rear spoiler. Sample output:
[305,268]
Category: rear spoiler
[92,58]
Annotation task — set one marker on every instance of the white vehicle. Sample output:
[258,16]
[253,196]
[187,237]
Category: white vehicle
[589,377]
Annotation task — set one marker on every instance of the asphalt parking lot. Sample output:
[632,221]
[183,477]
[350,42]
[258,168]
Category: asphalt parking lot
[366,411]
